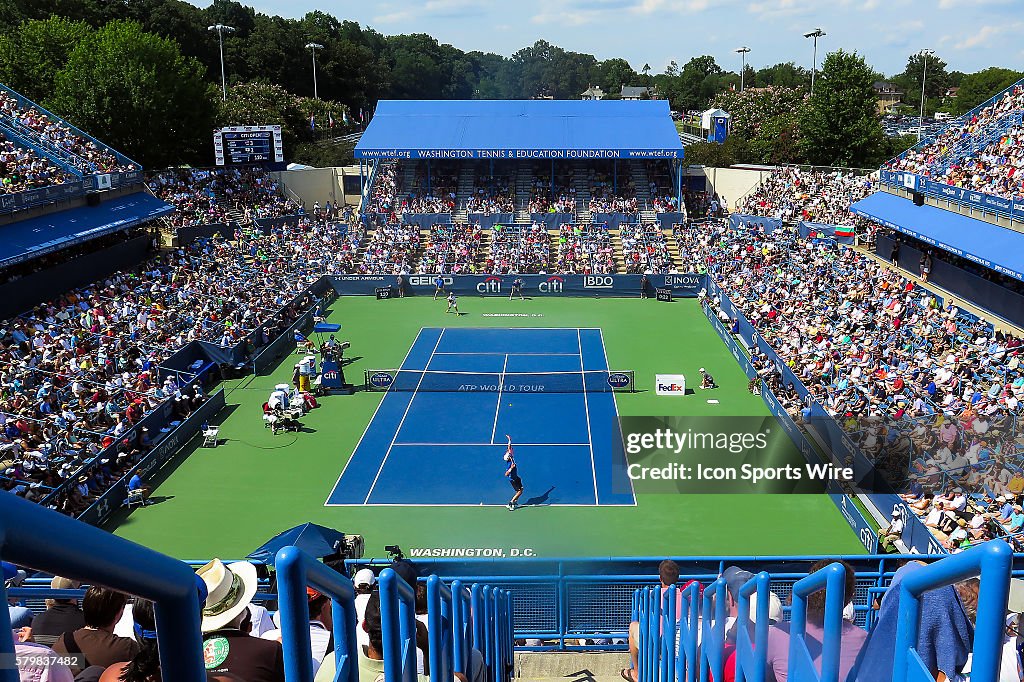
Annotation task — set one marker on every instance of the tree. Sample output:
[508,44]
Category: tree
[976,88]
[786,75]
[769,119]
[841,127]
[136,92]
[31,57]
[936,80]
[734,150]
[698,82]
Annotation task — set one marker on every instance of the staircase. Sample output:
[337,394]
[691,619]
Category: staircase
[408,182]
[617,253]
[581,183]
[673,250]
[484,250]
[524,188]
[467,185]
[642,184]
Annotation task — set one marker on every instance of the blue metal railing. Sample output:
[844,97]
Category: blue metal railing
[295,571]
[991,560]
[31,535]
[801,665]
[398,624]
[660,659]
[752,656]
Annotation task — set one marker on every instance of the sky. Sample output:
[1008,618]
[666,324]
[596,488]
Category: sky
[968,34]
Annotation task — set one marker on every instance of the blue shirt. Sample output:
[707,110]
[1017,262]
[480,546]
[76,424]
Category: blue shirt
[135,483]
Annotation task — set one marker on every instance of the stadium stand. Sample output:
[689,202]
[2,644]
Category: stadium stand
[930,392]
[22,169]
[57,137]
[520,249]
[451,250]
[585,249]
[791,193]
[980,151]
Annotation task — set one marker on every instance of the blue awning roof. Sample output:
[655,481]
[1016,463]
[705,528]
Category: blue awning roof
[989,245]
[34,237]
[521,129]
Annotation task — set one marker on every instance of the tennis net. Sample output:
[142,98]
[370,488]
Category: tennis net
[590,381]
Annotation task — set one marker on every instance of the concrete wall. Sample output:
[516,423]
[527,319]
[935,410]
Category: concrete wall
[732,183]
[321,184]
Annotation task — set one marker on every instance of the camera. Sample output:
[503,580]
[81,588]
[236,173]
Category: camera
[349,547]
[394,552]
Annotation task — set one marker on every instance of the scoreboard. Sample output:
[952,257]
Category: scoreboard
[239,145]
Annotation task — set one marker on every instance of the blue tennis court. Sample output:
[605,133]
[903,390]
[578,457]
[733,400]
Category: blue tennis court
[438,435]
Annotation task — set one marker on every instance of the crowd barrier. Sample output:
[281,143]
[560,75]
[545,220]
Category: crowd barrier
[553,220]
[615,220]
[743,220]
[190,233]
[683,285]
[30,198]
[1009,208]
[669,220]
[823,230]
[661,625]
[488,220]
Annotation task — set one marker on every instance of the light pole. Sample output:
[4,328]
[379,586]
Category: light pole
[221,29]
[743,53]
[816,33]
[924,77]
[314,47]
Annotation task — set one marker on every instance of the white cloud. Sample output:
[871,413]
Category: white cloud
[982,36]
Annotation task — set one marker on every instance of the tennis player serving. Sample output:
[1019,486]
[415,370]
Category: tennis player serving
[512,473]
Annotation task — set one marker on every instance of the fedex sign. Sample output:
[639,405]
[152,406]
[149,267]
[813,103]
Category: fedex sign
[670,384]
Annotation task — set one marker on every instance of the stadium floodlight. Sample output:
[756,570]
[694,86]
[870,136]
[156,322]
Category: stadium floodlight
[314,47]
[743,53]
[924,77]
[816,33]
[221,29]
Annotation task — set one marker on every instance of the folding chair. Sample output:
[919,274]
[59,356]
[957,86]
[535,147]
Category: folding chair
[135,497]
[210,436]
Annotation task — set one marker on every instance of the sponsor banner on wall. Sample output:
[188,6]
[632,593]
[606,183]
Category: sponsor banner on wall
[670,384]
[682,285]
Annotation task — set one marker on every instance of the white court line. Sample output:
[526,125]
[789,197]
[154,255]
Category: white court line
[399,427]
[586,409]
[497,408]
[615,403]
[487,445]
[327,502]
[412,505]
[571,355]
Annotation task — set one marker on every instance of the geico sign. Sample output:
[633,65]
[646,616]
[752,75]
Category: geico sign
[491,285]
[552,285]
[421,281]
[598,282]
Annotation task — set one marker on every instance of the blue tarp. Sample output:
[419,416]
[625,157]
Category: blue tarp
[326,328]
[521,129]
[315,540]
[989,245]
[34,237]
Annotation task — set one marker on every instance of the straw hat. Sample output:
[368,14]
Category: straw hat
[230,589]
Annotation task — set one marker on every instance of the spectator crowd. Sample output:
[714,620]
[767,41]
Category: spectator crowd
[982,152]
[51,133]
[930,393]
[793,194]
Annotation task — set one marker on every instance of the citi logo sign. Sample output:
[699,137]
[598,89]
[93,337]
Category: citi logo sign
[332,374]
[421,281]
[552,285]
[598,282]
[490,285]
